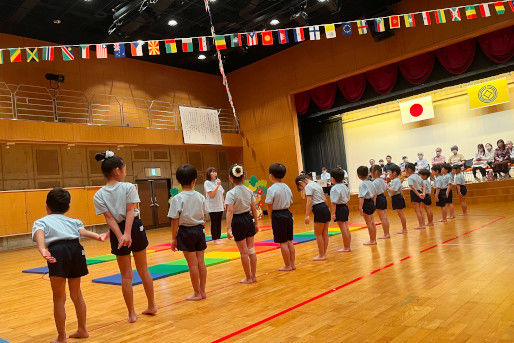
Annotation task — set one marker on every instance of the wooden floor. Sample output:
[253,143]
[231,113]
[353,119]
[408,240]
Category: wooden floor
[458,290]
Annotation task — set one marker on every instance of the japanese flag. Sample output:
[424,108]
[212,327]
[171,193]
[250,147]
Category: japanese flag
[417,110]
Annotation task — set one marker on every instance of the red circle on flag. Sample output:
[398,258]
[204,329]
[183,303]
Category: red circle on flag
[416,110]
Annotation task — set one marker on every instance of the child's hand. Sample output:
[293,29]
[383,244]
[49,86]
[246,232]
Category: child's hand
[229,234]
[422,196]
[102,237]
[46,254]
[361,211]
[333,217]
[125,241]
[307,220]
[174,245]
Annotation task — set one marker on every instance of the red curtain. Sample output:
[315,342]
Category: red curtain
[383,79]
[417,69]
[353,87]
[498,45]
[302,101]
[324,96]
[457,58]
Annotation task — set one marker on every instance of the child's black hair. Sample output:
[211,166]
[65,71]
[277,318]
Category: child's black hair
[301,177]
[337,174]
[186,174]
[208,173]
[363,171]
[395,169]
[410,166]
[376,168]
[236,172]
[424,172]
[58,200]
[446,166]
[456,167]
[109,164]
[278,170]
[437,168]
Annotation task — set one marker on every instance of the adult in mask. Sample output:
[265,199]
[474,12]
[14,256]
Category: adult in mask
[456,159]
[438,159]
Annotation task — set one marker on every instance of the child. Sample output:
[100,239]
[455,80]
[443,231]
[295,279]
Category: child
[240,223]
[440,191]
[187,213]
[339,196]
[316,202]
[395,192]
[417,192]
[117,202]
[427,200]
[279,198]
[65,258]
[446,170]
[381,200]
[459,182]
[367,195]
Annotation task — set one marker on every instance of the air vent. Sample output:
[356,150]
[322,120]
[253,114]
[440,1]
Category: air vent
[141,155]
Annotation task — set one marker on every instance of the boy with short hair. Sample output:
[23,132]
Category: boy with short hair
[417,192]
[187,213]
[394,188]
[427,200]
[57,238]
[441,186]
[339,196]
[367,196]
[446,171]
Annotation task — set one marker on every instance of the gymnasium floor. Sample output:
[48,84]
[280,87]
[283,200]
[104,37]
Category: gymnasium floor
[449,283]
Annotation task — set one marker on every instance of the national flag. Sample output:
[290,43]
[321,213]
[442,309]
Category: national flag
[1,56]
[67,53]
[417,110]
[455,14]
[488,93]
[394,22]
[153,47]
[283,38]
[471,13]
[136,48]
[330,31]
[236,40]
[347,29]
[32,55]
[252,38]
[314,33]
[101,51]
[202,43]
[511,4]
[484,10]
[15,55]
[298,34]
[84,51]
[410,20]
[267,38]
[426,18]
[48,53]
[440,17]
[362,26]
[379,25]
[119,50]
[220,42]
[171,46]
[187,45]
[498,6]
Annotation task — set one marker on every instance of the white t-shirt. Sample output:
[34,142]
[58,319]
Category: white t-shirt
[215,203]
[189,207]
[279,195]
[241,197]
[114,199]
[57,227]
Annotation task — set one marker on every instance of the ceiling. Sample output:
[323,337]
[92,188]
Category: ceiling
[88,21]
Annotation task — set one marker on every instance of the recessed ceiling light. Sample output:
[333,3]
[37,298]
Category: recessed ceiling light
[201,57]
[322,0]
[57,21]
[212,0]
[172,22]
[274,22]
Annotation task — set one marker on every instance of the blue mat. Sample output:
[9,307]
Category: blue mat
[302,239]
[2,341]
[136,280]
[39,270]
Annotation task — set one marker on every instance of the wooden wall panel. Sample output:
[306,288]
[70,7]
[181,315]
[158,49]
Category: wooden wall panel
[73,162]
[17,162]
[35,206]
[13,216]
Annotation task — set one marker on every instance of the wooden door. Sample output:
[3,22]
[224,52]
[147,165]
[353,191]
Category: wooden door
[146,205]
[161,198]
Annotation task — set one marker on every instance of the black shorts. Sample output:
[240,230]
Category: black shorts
[449,198]
[428,200]
[441,200]
[282,225]
[342,213]
[398,202]
[70,259]
[243,226]
[321,213]
[368,207]
[191,238]
[381,203]
[326,190]
[414,197]
[139,240]
[463,190]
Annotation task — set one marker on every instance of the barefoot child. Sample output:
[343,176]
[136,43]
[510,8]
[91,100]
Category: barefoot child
[381,200]
[440,191]
[65,258]
[279,198]
[187,213]
[446,171]
[460,185]
[240,223]
[395,192]
[367,194]
[427,200]
[117,202]
[316,202]
[339,196]
[417,192]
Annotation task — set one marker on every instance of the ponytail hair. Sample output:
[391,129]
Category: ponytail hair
[110,162]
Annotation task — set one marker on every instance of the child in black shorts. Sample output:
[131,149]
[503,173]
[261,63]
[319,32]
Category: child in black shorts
[279,198]
[187,213]
[339,197]
[417,193]
[367,198]
[460,185]
[117,202]
[440,191]
[57,238]
[241,224]
[427,200]
[446,171]
[394,188]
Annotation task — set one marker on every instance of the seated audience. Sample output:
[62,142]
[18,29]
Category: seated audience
[489,154]
[381,162]
[438,159]
[456,159]
[501,160]
[509,145]
[325,176]
[480,162]
[405,160]
[389,164]
[421,163]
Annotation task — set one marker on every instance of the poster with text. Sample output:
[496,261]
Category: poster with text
[200,125]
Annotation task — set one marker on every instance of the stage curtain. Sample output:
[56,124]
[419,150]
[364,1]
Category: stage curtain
[498,45]
[324,96]
[302,102]
[352,87]
[383,79]
[417,69]
[457,58]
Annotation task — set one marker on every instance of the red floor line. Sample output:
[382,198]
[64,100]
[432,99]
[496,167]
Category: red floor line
[267,319]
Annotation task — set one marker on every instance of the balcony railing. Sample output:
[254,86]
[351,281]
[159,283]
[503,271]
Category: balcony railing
[36,103]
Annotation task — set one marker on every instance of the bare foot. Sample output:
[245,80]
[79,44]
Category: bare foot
[402,232]
[285,269]
[420,227]
[203,295]
[80,334]
[451,217]
[370,243]
[246,280]
[254,279]
[430,224]
[293,267]
[132,317]
[344,250]
[443,221]
[385,237]
[319,258]
[218,242]
[59,340]
[194,297]
[150,311]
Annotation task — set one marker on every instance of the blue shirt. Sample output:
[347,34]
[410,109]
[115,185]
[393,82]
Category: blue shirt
[339,194]
[367,190]
[316,191]
[57,227]
[428,186]
[279,195]
[380,185]
[396,186]
[441,182]
[416,181]
[460,179]
[189,207]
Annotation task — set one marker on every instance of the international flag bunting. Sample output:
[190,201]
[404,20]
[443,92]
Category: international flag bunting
[379,25]
[314,33]
[252,38]
[48,53]
[410,20]
[267,38]
[362,26]
[471,13]
[101,51]
[136,48]
[32,55]
[171,46]
[440,17]
[330,31]
[67,53]
[15,55]
[187,45]
[394,22]
[84,51]
[202,43]
[484,10]
[298,34]
[236,40]
[498,6]
[283,38]
[153,47]
[347,29]
[1,57]
[119,50]
[511,4]
[426,18]
[220,42]
[455,14]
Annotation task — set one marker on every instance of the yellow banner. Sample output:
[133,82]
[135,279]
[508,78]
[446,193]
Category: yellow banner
[488,93]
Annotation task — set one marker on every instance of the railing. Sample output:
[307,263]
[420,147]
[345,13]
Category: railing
[36,103]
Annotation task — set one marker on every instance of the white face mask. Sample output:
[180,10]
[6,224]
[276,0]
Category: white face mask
[454,152]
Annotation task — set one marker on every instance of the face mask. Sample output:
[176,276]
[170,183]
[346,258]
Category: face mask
[438,153]
[489,148]
[454,152]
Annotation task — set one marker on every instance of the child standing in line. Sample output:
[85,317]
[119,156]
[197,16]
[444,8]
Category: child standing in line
[316,202]
[339,196]
[460,185]
[417,192]
[381,200]
[440,191]
[57,238]
[446,171]
[279,198]
[395,192]
[427,200]
[367,194]
[240,223]
[117,202]
[187,213]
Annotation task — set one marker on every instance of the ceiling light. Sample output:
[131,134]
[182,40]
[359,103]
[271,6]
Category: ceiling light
[201,57]
[212,0]
[322,0]
[57,21]
[274,22]
[172,22]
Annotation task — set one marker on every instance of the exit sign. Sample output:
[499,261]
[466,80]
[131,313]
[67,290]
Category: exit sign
[153,172]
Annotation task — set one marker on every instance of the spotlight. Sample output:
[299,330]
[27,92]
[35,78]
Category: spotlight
[274,22]
[57,21]
[172,22]
[201,57]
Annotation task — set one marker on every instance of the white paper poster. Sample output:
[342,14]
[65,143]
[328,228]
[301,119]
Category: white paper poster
[200,125]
